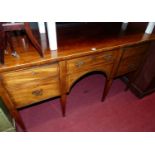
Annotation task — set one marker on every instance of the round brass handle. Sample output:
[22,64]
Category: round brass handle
[38,92]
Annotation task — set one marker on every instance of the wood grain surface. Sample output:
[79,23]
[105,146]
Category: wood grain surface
[29,78]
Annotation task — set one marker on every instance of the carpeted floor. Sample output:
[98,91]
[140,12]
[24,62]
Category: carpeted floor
[121,111]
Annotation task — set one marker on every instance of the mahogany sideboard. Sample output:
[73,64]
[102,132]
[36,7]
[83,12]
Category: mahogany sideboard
[30,79]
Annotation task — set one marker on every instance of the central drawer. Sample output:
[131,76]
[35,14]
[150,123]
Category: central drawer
[86,62]
[32,85]
[71,78]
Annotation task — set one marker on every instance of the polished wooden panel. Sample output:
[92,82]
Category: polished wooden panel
[131,58]
[129,64]
[28,93]
[32,85]
[135,50]
[105,68]
[77,64]
[69,46]
[30,74]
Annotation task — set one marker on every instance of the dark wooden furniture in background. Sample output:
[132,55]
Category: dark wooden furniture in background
[81,50]
[144,81]
[6,28]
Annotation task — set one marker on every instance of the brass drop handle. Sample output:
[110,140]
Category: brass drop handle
[79,64]
[38,92]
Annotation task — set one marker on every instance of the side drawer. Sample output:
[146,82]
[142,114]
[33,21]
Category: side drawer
[129,64]
[135,50]
[86,62]
[29,93]
[32,87]
[30,74]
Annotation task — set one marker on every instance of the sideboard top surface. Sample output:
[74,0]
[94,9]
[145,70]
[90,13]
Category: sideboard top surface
[72,42]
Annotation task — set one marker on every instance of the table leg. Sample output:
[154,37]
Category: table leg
[63,88]
[107,86]
[63,101]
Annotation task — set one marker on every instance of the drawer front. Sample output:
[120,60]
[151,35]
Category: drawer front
[31,74]
[36,84]
[135,50]
[28,93]
[71,78]
[128,65]
[86,62]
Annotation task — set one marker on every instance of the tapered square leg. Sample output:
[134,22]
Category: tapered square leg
[107,86]
[63,101]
